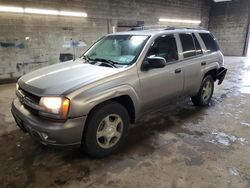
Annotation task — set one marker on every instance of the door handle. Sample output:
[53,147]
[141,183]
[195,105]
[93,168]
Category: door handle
[203,63]
[177,71]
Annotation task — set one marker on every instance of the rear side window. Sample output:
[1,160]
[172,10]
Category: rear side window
[197,45]
[187,45]
[210,42]
[165,46]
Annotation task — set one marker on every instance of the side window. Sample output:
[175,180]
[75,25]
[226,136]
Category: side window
[197,45]
[165,46]
[187,45]
[210,42]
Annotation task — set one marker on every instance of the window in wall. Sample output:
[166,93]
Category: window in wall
[197,45]
[165,46]
[187,45]
[210,42]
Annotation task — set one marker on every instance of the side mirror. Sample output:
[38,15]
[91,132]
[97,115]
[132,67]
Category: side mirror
[154,63]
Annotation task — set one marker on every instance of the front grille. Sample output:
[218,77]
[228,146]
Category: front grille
[31,110]
[35,99]
[29,100]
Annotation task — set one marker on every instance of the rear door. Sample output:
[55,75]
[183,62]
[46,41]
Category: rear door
[213,54]
[193,63]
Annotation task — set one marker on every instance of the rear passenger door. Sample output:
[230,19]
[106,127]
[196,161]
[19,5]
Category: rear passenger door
[212,48]
[193,63]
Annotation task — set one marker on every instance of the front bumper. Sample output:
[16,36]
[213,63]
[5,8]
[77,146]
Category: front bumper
[49,132]
[221,74]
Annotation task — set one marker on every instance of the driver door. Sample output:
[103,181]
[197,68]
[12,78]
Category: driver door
[161,85]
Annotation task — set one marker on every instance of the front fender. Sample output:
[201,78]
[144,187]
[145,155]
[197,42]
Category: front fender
[84,102]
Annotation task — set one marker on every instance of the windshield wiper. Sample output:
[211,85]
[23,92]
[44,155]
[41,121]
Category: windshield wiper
[107,61]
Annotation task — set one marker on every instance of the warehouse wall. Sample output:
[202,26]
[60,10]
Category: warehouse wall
[28,42]
[229,23]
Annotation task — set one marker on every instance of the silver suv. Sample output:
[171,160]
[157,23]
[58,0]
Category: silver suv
[91,101]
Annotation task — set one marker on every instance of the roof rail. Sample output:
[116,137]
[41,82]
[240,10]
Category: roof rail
[195,28]
[147,27]
[162,27]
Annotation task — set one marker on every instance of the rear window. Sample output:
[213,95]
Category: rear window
[210,42]
[187,45]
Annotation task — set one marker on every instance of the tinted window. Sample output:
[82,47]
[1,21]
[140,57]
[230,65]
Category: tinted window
[210,42]
[165,47]
[197,45]
[187,45]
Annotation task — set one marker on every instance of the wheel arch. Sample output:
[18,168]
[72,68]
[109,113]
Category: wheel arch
[124,100]
[213,72]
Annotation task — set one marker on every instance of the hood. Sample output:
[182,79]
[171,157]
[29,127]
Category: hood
[59,78]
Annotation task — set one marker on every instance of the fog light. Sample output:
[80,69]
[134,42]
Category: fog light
[44,136]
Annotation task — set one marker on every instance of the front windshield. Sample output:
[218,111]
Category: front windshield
[119,49]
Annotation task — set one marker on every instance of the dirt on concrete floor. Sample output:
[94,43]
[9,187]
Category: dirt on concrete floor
[179,146]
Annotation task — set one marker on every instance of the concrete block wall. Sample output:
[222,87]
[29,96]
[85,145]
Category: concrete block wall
[229,22]
[28,42]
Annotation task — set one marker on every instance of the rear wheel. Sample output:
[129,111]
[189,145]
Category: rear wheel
[205,93]
[106,130]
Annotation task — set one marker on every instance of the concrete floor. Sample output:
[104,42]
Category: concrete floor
[179,146]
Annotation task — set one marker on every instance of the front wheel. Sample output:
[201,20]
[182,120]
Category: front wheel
[205,93]
[106,130]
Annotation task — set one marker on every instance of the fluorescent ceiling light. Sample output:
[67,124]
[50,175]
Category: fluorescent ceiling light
[11,9]
[77,14]
[41,11]
[179,21]
[218,1]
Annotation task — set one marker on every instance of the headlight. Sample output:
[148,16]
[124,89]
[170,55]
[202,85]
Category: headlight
[17,86]
[56,107]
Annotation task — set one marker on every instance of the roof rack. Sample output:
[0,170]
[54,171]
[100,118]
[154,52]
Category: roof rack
[195,28]
[137,28]
[146,27]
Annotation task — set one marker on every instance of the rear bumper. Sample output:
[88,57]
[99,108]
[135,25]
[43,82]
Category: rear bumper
[221,74]
[49,132]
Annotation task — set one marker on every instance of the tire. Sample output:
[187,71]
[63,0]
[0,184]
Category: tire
[98,140]
[205,93]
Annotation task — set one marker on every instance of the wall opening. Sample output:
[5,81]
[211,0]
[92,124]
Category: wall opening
[248,45]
